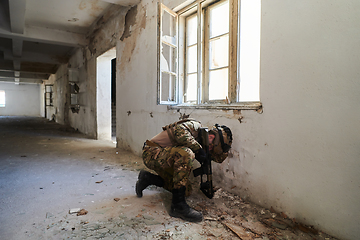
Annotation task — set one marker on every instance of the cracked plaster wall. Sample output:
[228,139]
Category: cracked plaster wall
[59,111]
[104,35]
[300,155]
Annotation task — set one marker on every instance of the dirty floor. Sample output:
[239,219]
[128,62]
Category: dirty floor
[48,171]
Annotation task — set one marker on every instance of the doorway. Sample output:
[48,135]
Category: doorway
[106,95]
[113,99]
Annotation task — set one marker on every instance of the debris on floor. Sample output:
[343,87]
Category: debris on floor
[82,212]
[226,216]
[74,210]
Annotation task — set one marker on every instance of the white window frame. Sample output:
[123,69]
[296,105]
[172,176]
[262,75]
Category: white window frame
[233,65]
[172,43]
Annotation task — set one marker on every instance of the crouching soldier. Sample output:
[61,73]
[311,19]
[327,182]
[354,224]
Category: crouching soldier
[171,154]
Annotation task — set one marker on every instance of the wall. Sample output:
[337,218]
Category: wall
[61,98]
[105,35]
[309,77]
[300,155]
[22,100]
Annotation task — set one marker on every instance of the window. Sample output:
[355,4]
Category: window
[209,54]
[214,81]
[2,98]
[167,57]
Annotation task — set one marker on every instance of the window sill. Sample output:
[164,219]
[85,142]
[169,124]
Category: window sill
[234,106]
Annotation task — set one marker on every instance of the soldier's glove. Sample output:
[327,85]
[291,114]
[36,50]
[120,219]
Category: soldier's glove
[200,155]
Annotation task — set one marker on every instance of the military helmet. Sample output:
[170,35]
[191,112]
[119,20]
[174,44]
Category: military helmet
[223,139]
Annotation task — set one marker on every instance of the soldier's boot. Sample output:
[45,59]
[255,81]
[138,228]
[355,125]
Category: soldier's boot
[180,209]
[146,179]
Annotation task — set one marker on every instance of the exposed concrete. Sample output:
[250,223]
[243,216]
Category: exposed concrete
[61,96]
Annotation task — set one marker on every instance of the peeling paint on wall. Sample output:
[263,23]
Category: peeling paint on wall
[99,32]
[135,21]
[130,20]
[142,21]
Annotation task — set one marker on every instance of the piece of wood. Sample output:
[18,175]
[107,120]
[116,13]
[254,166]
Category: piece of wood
[239,231]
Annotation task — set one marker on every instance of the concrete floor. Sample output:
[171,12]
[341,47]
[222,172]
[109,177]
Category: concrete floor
[47,169]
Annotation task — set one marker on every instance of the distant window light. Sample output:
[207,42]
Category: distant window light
[2,98]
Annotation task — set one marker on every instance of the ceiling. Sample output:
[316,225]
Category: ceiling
[37,36]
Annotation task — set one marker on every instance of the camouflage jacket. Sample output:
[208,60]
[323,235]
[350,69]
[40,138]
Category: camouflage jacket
[185,133]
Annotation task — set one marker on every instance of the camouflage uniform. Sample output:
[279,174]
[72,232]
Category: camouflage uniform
[174,163]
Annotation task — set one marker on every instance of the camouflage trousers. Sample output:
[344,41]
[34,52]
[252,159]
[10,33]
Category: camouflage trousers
[173,164]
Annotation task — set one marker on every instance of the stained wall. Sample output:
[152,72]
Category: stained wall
[300,155]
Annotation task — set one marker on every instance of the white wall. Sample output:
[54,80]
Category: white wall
[310,90]
[301,154]
[22,100]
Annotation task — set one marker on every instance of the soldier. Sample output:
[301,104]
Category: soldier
[171,154]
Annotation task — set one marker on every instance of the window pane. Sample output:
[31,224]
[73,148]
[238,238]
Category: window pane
[250,51]
[2,98]
[219,19]
[168,65]
[168,24]
[191,59]
[219,52]
[191,30]
[191,88]
[168,61]
[167,87]
[218,84]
